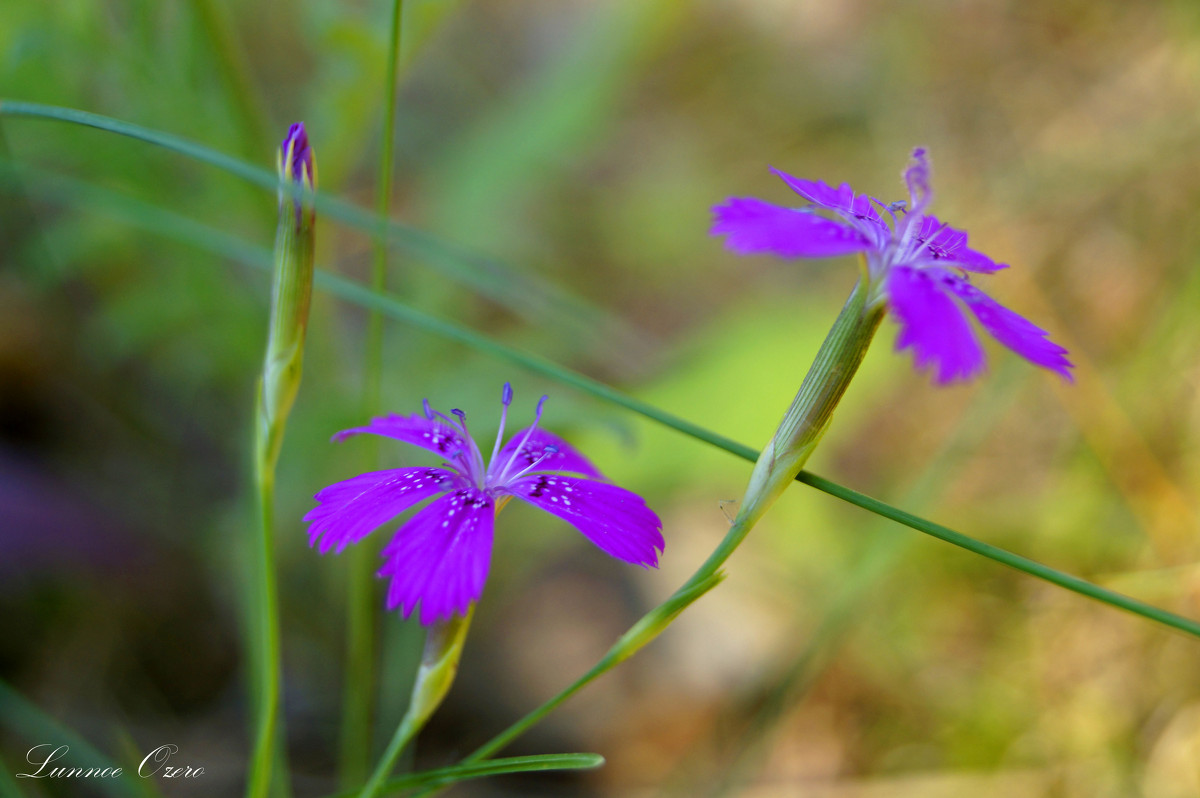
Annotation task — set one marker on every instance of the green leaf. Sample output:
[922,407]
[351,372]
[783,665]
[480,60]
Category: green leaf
[532,298]
[494,767]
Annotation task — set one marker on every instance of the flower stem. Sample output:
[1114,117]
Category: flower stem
[803,426]
[359,688]
[266,626]
[439,665]
[382,206]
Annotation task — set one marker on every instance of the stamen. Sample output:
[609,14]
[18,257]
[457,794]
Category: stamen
[505,400]
[474,460]
[439,414]
[546,452]
[503,475]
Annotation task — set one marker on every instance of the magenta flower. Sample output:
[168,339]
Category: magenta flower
[440,557]
[916,264]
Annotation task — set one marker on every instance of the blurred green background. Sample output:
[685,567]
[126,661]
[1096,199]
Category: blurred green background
[578,146]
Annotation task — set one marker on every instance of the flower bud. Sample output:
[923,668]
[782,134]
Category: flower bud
[297,169]
[291,292]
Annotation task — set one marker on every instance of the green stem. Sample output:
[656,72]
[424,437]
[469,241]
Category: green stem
[382,205]
[439,665]
[267,626]
[705,578]
[359,688]
[360,600]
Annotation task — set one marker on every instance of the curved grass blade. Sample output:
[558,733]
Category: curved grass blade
[185,229]
[529,298]
[24,719]
[495,767]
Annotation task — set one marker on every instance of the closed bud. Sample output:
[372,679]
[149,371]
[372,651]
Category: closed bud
[291,292]
[297,171]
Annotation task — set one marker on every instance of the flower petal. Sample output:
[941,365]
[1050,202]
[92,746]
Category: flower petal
[932,324]
[350,510]
[433,434]
[566,458]
[1013,330]
[440,558]
[755,226]
[615,519]
[819,193]
[859,211]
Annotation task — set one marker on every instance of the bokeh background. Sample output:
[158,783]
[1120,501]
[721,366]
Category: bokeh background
[579,145]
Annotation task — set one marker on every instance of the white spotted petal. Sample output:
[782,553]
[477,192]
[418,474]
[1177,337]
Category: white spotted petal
[440,558]
[615,519]
[350,510]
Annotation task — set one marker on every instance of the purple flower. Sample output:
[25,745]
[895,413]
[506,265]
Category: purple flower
[917,265]
[440,557]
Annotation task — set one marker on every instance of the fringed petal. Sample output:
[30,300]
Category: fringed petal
[754,226]
[615,519]
[440,558]
[433,434]
[350,510]
[933,325]
[1013,330]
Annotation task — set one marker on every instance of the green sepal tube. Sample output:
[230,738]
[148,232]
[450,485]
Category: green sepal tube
[811,411]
